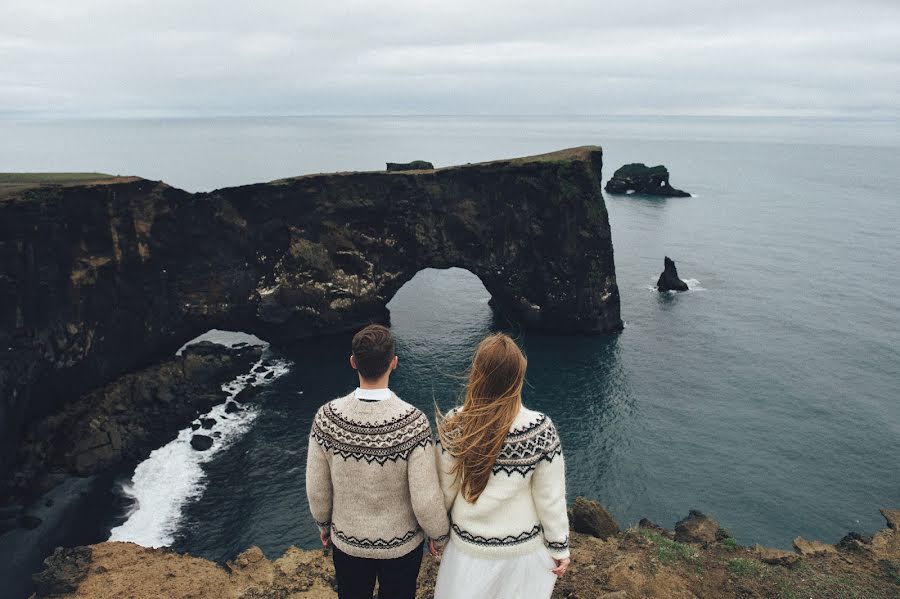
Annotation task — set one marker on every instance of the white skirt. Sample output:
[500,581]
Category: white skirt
[464,576]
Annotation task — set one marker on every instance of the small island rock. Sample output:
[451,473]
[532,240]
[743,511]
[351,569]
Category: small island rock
[201,442]
[415,165]
[645,180]
[668,280]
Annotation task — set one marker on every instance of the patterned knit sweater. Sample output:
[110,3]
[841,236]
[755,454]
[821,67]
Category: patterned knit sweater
[371,478]
[523,505]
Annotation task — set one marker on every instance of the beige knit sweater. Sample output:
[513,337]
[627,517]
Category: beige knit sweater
[523,505]
[371,478]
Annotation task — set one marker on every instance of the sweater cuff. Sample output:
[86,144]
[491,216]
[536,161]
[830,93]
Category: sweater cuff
[441,540]
[559,550]
[324,526]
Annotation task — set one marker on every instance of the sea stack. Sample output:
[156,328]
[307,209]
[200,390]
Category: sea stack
[645,180]
[668,280]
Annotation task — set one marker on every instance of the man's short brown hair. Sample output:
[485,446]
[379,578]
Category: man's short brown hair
[373,348]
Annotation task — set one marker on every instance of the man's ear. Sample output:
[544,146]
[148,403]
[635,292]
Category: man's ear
[353,361]
[394,363]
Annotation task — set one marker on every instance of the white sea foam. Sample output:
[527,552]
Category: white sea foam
[221,337]
[173,474]
[693,285]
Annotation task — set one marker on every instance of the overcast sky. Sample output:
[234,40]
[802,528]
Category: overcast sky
[197,57]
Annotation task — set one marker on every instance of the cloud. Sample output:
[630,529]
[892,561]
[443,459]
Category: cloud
[114,57]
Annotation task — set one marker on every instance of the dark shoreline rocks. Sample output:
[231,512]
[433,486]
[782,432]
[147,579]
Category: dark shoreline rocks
[668,279]
[645,180]
[122,422]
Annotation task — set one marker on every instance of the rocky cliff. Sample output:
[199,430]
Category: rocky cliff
[698,559]
[103,278]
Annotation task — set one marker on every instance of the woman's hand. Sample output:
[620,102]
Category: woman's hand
[434,549]
[325,537]
[561,566]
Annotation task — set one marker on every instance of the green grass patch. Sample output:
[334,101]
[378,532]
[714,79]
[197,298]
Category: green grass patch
[667,550]
[52,178]
[742,566]
[730,543]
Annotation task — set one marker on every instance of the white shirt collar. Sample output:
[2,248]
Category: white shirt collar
[372,394]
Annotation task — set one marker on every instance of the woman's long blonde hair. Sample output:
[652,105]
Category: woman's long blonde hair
[475,434]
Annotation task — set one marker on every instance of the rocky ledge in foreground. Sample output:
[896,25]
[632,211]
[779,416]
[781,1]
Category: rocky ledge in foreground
[645,180]
[699,559]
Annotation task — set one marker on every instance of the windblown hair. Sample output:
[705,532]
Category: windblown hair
[475,433]
[373,348]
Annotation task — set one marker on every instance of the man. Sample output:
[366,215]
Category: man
[371,479]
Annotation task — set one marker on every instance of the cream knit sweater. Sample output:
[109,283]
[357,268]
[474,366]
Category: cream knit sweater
[523,505]
[371,478]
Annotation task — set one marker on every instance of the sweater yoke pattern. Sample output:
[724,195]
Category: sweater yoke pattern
[527,446]
[374,442]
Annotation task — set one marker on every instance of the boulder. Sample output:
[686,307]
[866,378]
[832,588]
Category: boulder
[231,407]
[207,423]
[201,442]
[668,280]
[645,180]
[589,517]
[697,528]
[247,394]
[812,547]
[854,541]
[415,165]
[892,516]
[62,571]
[195,426]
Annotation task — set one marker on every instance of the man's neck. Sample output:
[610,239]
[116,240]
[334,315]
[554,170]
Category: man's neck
[381,383]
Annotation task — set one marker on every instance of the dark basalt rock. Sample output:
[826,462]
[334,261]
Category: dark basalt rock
[101,279]
[92,434]
[645,180]
[201,442]
[231,407]
[62,571]
[668,280]
[207,423]
[246,394]
[415,165]
[854,541]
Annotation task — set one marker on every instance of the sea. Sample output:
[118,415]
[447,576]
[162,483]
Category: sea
[767,396]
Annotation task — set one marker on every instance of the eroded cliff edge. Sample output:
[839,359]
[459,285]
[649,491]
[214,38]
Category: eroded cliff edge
[100,279]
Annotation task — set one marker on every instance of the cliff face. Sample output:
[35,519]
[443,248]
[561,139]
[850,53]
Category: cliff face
[100,279]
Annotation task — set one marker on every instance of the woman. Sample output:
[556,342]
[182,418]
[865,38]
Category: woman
[503,477]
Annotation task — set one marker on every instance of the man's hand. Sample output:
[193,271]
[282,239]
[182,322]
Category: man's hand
[561,566]
[325,536]
[434,549]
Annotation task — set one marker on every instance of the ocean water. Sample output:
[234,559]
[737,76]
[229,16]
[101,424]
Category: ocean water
[766,396]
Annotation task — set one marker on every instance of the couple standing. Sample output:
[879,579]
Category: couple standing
[378,485]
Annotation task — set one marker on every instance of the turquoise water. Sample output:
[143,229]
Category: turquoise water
[766,396]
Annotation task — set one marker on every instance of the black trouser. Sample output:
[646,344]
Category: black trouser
[396,577]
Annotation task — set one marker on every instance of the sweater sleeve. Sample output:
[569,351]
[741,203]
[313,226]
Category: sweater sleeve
[548,488]
[449,481]
[425,491]
[319,490]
